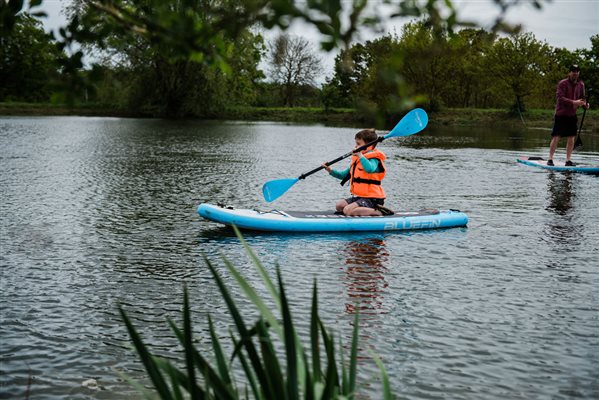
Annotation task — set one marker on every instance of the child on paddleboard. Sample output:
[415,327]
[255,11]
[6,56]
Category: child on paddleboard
[365,175]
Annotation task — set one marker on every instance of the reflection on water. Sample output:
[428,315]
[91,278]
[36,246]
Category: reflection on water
[562,229]
[560,194]
[365,276]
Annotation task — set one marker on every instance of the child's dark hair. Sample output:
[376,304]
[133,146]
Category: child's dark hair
[367,135]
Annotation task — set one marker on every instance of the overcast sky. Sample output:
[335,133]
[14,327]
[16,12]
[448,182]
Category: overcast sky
[560,23]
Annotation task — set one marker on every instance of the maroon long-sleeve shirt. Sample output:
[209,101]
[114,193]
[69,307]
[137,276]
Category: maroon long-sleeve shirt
[566,93]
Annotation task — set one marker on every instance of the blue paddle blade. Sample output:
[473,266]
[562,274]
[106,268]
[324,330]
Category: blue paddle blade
[413,122]
[272,190]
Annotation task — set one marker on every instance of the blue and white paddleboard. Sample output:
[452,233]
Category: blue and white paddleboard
[328,221]
[559,166]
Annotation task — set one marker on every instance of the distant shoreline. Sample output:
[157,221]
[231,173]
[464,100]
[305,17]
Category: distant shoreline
[340,117]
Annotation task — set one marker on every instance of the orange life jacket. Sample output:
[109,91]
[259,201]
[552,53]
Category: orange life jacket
[363,184]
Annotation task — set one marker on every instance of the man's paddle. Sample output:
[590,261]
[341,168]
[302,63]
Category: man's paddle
[413,122]
[578,143]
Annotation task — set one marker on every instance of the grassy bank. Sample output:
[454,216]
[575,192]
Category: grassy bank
[48,109]
[339,117]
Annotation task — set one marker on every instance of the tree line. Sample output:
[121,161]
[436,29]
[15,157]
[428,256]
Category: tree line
[468,68]
[421,65]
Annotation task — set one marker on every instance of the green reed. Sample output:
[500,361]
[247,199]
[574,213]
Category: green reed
[318,373]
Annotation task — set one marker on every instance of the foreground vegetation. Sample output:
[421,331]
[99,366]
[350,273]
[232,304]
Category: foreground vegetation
[275,362]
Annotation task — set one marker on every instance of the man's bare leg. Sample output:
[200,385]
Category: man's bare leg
[553,146]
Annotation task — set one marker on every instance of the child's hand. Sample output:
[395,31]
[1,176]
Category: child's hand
[327,168]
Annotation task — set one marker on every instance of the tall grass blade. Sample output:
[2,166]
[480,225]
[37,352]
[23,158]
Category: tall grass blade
[249,373]
[353,360]
[271,362]
[261,270]
[332,375]
[147,359]
[344,376]
[314,336]
[188,346]
[210,376]
[308,388]
[387,395]
[176,381]
[140,388]
[255,298]
[263,309]
[290,343]
[221,362]
[246,339]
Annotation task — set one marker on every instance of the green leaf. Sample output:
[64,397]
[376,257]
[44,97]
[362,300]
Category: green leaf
[188,345]
[290,344]
[147,359]
[271,362]
[210,376]
[140,388]
[223,368]
[261,270]
[255,298]
[262,308]
[332,375]
[387,395]
[353,360]
[177,379]
[246,339]
[249,373]
[314,336]
[309,383]
[344,377]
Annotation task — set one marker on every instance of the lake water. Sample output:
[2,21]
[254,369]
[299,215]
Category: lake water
[98,212]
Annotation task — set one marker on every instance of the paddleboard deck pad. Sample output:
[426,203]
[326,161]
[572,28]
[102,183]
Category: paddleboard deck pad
[559,165]
[329,221]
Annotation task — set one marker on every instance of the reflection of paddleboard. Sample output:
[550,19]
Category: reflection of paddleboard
[326,221]
[559,165]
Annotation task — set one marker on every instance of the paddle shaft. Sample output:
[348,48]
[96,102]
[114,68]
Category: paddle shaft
[584,112]
[329,163]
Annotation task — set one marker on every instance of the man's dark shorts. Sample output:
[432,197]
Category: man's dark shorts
[565,125]
[365,202]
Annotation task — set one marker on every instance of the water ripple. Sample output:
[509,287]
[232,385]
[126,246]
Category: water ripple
[99,213]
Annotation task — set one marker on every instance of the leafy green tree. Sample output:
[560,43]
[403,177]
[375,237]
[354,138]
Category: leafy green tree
[518,62]
[162,81]
[365,76]
[590,66]
[331,96]
[554,67]
[29,61]
[9,14]
[350,71]
[470,84]
[427,56]
[382,90]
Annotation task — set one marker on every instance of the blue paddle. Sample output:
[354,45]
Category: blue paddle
[413,122]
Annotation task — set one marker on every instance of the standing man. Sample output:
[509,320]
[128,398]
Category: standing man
[570,95]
